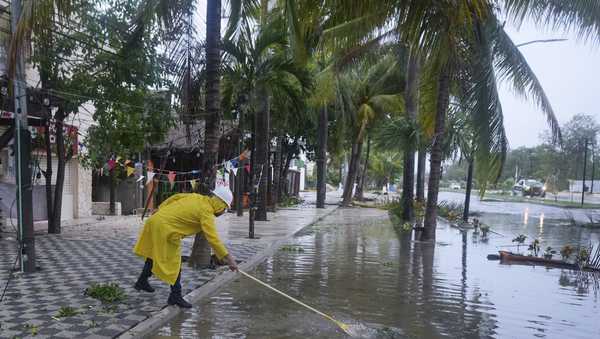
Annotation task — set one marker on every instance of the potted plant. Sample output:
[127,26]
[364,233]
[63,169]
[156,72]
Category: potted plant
[534,247]
[520,239]
[566,251]
[549,252]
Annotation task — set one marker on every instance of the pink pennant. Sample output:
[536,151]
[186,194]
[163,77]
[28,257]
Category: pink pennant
[171,176]
[111,164]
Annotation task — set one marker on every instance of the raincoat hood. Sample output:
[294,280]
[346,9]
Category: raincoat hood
[217,204]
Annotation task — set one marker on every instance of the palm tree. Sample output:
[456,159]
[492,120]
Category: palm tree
[212,120]
[258,62]
[213,96]
[368,91]
[411,98]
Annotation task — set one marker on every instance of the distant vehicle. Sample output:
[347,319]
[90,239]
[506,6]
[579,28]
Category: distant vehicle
[454,186]
[529,187]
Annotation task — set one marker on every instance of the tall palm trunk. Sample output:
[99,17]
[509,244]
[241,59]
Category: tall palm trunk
[200,255]
[261,160]
[277,172]
[213,95]
[322,158]
[359,194]
[352,172]
[468,190]
[410,99]
[112,193]
[421,157]
[48,177]
[60,170]
[435,162]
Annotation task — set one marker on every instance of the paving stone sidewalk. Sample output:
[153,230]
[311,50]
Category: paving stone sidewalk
[87,254]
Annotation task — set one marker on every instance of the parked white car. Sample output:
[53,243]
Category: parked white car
[455,186]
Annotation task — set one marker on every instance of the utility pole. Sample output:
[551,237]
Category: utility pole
[593,169]
[23,154]
[584,169]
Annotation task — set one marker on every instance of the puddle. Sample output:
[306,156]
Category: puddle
[357,269]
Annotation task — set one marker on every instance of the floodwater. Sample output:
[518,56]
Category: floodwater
[355,267]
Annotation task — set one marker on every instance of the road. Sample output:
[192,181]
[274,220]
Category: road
[534,210]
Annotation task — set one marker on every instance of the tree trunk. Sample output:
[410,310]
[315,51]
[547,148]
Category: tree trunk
[284,174]
[322,158]
[261,160]
[60,170]
[421,157]
[410,99]
[112,195]
[435,162]
[359,194]
[468,190]
[200,255]
[213,95]
[48,177]
[277,173]
[352,171]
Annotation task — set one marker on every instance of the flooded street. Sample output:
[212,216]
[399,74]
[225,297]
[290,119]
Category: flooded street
[355,267]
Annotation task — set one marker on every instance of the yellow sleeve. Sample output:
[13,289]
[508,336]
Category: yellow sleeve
[172,199]
[210,233]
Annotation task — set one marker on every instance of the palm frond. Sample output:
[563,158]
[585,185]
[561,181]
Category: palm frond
[581,17]
[486,112]
[513,67]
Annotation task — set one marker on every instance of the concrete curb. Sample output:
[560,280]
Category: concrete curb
[165,315]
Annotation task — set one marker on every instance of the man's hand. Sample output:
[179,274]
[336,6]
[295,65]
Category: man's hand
[231,262]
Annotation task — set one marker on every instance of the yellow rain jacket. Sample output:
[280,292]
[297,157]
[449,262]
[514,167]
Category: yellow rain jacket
[179,216]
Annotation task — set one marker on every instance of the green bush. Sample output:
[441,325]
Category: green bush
[450,210]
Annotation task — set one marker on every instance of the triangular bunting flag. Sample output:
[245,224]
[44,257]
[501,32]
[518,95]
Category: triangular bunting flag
[234,169]
[130,170]
[139,169]
[171,176]
[150,177]
[111,164]
[245,155]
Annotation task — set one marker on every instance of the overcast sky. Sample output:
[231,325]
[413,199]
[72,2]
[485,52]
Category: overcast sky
[570,74]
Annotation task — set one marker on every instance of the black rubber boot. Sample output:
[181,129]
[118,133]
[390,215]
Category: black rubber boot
[177,299]
[143,285]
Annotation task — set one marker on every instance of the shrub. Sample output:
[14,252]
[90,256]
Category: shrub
[450,210]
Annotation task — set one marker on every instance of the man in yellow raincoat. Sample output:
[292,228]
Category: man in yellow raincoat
[180,216]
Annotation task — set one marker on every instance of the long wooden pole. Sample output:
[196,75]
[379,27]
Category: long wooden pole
[341,325]
[154,184]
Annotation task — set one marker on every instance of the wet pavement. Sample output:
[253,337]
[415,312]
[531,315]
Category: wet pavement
[532,209]
[354,266]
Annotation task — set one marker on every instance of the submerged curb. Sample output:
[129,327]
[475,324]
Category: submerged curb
[222,278]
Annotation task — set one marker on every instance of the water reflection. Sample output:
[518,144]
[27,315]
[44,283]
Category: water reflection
[358,268]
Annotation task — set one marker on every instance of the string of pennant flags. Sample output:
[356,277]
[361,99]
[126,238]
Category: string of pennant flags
[154,174]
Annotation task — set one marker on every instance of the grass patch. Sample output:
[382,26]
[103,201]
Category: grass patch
[292,248]
[556,203]
[67,311]
[106,293]
[33,329]
[290,201]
